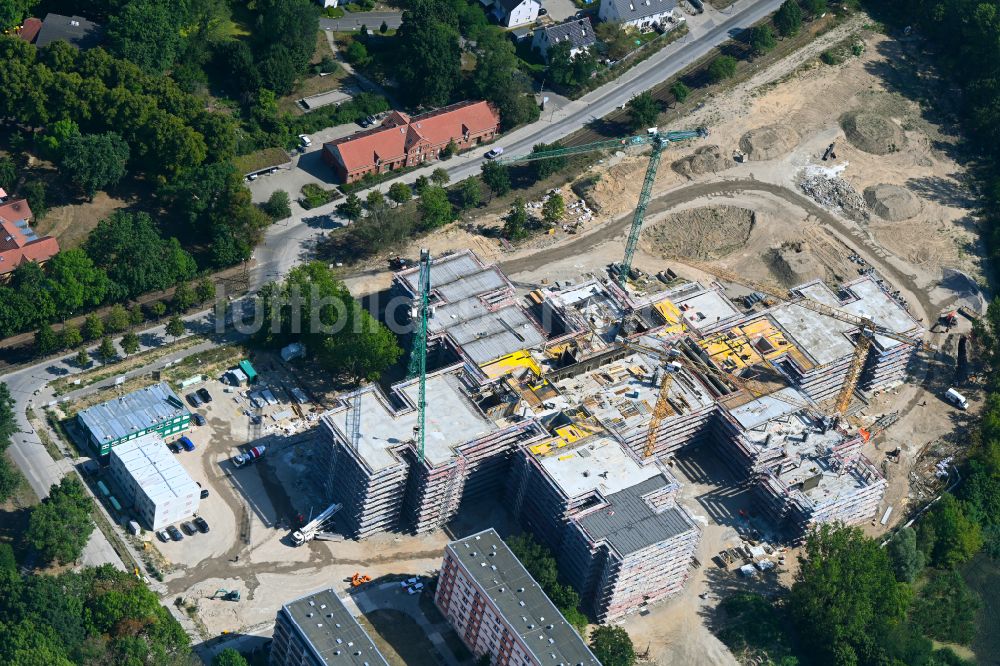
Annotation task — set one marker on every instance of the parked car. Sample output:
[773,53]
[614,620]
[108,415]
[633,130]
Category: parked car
[494,153]
[174,448]
[162,535]
[364,122]
[186,443]
[198,419]
[193,400]
[205,395]
[543,11]
[305,141]
[204,493]
[201,524]
[174,533]
[188,528]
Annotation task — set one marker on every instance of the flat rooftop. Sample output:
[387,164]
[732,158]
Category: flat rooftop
[706,310]
[823,480]
[761,410]
[824,338]
[155,469]
[595,463]
[132,412]
[622,394]
[333,635]
[452,419]
[521,601]
[473,304]
[630,523]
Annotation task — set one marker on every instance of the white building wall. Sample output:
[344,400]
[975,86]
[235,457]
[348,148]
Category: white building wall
[152,483]
[524,13]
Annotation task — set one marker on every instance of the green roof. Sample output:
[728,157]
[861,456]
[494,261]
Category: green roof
[248,369]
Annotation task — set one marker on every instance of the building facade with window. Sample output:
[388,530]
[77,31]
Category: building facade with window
[318,630]
[152,409]
[403,141]
[498,609]
[152,482]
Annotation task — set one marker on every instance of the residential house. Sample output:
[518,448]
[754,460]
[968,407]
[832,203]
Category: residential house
[76,31]
[327,4]
[644,15]
[512,13]
[578,32]
[402,141]
[29,29]
[18,241]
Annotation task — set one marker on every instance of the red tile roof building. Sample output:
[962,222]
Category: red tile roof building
[18,242]
[30,29]
[402,141]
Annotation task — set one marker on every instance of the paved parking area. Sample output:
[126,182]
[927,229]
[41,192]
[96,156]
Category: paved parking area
[560,10]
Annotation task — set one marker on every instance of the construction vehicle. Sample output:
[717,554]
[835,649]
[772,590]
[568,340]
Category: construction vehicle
[317,528]
[654,138]
[250,456]
[359,579]
[867,328]
[226,595]
[877,428]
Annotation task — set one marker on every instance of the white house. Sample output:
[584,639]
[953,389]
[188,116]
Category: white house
[329,3]
[512,13]
[152,482]
[644,15]
[578,32]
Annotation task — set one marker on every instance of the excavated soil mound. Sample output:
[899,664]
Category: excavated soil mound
[701,233]
[892,202]
[707,159]
[769,142]
[793,263]
[872,133]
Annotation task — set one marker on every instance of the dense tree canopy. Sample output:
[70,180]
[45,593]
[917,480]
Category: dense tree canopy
[94,161]
[60,526]
[612,646]
[147,33]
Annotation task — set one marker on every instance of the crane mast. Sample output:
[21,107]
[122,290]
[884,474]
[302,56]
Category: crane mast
[418,353]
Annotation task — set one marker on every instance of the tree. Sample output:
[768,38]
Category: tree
[117,320]
[440,177]
[788,18]
[93,327]
[844,595]
[135,257]
[946,609]
[554,209]
[374,200]
[74,282]
[46,340]
[497,178]
[435,209]
[107,350]
[384,28]
[816,8]
[722,68]
[680,92]
[567,69]
[449,150]
[762,39]
[175,327]
[82,359]
[429,64]
[947,536]
[351,208]
[357,53]
[95,161]
[55,137]
[400,192]
[135,315]
[13,12]
[60,526]
[278,205]
[130,343]
[616,37]
[204,290]
[421,184]
[515,223]
[8,173]
[184,297]
[70,336]
[612,646]
[643,110]
[158,309]
[907,559]
[147,33]
[229,656]
[34,192]
[470,192]
[550,165]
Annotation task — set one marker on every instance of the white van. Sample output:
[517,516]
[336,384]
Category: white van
[956,398]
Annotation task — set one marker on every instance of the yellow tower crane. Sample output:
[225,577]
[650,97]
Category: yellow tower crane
[867,328]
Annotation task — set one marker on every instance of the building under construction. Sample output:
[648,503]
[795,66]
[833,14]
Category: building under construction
[373,466]
[613,524]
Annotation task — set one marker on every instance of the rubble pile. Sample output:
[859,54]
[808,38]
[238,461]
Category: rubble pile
[831,191]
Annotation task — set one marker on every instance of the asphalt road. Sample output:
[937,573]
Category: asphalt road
[371,20]
[288,243]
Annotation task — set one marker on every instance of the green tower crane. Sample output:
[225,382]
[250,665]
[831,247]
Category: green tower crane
[654,138]
[418,353]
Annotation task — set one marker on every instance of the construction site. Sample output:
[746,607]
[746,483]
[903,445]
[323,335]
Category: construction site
[668,391]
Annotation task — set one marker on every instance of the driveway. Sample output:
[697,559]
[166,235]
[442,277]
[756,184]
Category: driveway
[560,10]
[371,20]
